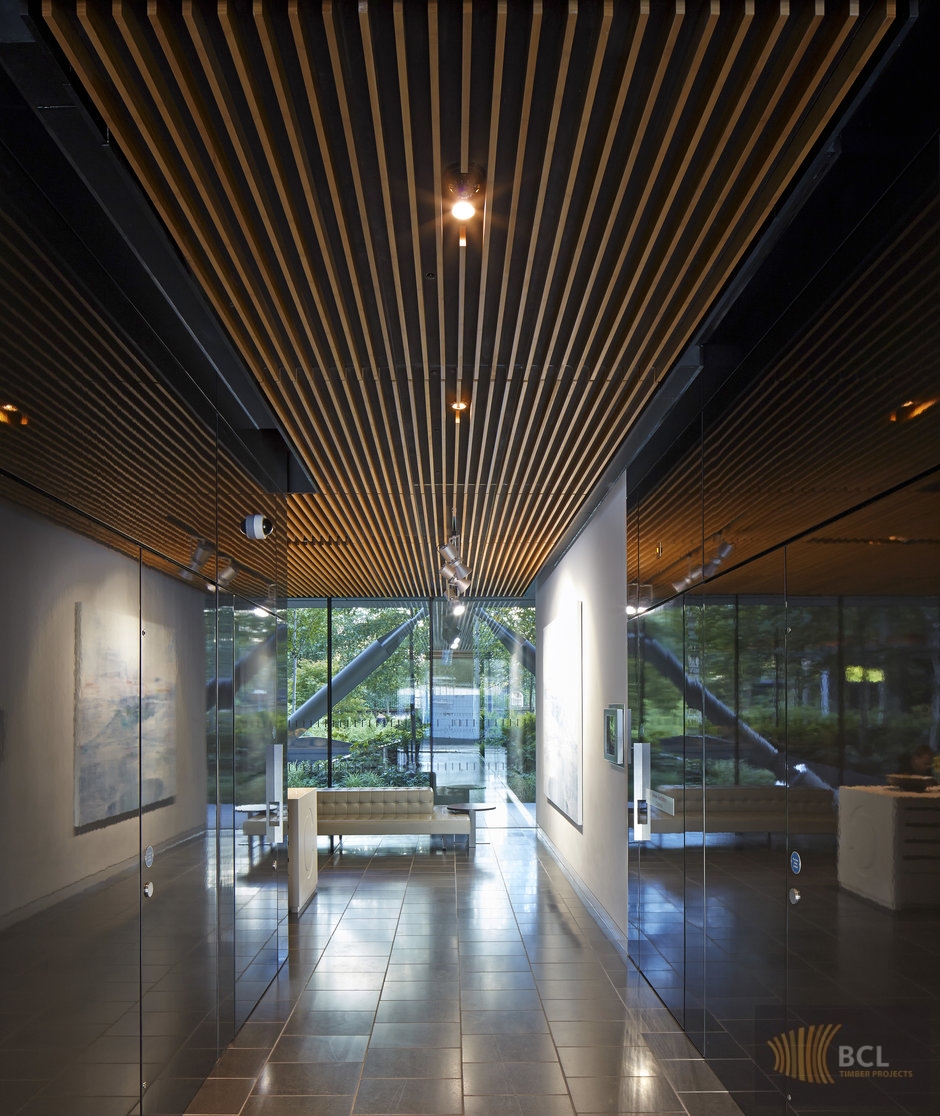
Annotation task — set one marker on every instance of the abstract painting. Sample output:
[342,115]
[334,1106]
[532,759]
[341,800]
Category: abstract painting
[125,716]
[561,708]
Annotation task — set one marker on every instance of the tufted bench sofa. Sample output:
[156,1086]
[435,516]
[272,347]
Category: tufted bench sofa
[748,809]
[380,810]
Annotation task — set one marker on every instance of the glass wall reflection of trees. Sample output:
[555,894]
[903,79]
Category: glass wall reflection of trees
[418,693]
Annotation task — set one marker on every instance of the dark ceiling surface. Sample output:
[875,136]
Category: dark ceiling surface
[297,155]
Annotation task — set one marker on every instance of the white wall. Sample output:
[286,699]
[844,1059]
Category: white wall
[44,571]
[593,572]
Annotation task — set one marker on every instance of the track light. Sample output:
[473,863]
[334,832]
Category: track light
[698,572]
[226,573]
[454,572]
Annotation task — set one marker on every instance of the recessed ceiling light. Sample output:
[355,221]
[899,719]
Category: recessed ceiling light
[464,190]
[11,415]
[911,409]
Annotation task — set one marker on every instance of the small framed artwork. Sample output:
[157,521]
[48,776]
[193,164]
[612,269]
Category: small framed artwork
[613,734]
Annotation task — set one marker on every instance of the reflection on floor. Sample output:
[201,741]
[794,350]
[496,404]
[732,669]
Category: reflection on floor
[424,979]
[76,978]
[722,955]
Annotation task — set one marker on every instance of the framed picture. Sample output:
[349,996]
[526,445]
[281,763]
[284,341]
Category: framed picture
[613,734]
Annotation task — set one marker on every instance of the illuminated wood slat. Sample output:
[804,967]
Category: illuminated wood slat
[370,419]
[584,430]
[140,157]
[748,456]
[483,506]
[522,468]
[419,410]
[401,462]
[497,473]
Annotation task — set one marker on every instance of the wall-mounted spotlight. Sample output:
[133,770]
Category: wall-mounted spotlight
[463,190]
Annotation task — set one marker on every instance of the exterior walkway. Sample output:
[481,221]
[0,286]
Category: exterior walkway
[425,980]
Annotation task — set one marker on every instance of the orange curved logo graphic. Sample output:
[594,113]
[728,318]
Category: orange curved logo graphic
[802,1053]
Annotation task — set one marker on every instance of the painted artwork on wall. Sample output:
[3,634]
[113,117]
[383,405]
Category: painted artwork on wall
[560,667]
[125,718]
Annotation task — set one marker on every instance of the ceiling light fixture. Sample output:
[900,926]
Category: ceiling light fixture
[455,573]
[227,571]
[11,415]
[463,189]
[698,572]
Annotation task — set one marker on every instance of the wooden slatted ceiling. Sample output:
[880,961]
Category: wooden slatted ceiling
[296,153]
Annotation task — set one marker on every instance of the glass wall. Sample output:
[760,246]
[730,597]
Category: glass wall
[782,852]
[139,927]
[784,668]
[143,896]
[400,693]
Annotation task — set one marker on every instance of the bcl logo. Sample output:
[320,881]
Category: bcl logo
[865,1057]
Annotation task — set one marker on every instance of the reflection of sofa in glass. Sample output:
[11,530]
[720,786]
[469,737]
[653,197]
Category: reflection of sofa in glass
[746,809]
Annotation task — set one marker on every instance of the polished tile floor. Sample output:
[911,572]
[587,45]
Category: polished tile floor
[430,980]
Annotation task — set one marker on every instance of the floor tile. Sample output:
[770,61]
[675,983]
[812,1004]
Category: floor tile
[623,1094]
[428,1096]
[510,1048]
[307,1078]
[440,1062]
[513,1078]
[320,1048]
[503,1022]
[298,1106]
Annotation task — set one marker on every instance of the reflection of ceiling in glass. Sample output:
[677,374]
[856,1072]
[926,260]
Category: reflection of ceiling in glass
[817,435]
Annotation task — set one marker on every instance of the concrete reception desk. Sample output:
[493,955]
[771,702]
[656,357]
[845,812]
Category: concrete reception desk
[889,845]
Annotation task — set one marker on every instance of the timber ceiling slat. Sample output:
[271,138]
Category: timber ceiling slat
[387,541]
[480,505]
[537,431]
[559,508]
[524,413]
[404,417]
[536,463]
[716,255]
[290,247]
[422,482]
[296,155]
[748,458]
[250,193]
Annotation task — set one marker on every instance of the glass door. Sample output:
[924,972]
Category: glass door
[745,769]
[259,802]
[658,869]
[179,975]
